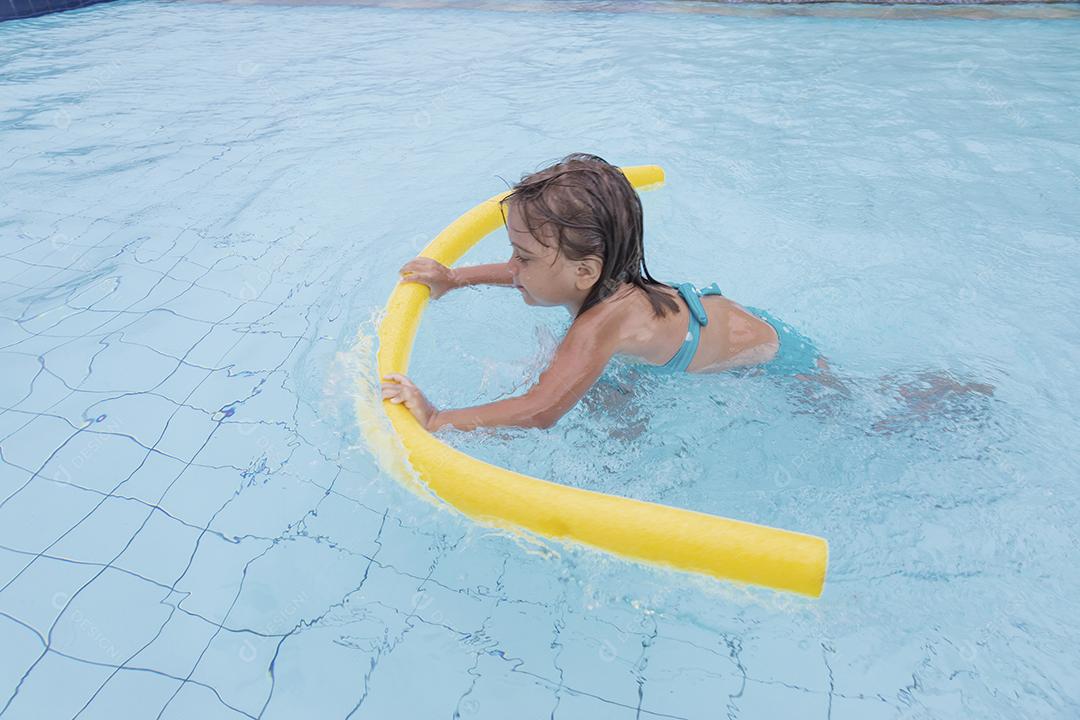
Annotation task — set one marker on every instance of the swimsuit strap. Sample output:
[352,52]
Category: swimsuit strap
[692,296]
[713,289]
[698,317]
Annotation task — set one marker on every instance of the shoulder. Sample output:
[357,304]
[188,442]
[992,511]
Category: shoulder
[631,316]
[596,328]
[608,321]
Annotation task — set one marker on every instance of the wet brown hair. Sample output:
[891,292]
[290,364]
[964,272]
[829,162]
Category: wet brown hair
[595,212]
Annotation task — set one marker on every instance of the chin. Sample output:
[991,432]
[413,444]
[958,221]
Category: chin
[531,299]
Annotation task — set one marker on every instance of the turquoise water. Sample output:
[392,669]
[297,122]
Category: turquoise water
[203,208]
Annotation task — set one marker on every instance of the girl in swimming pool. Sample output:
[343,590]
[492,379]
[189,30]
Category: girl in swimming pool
[576,233]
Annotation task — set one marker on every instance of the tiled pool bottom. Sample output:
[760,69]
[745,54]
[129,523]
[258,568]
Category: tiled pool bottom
[203,205]
[183,534]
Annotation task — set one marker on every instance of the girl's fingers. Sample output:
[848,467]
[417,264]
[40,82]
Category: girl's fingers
[418,279]
[418,264]
[396,396]
[401,392]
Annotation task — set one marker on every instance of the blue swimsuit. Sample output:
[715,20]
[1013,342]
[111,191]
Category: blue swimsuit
[797,355]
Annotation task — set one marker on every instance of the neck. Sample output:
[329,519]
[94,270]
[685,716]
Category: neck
[573,305]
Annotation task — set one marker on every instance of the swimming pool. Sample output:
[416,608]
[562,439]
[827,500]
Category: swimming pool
[203,209]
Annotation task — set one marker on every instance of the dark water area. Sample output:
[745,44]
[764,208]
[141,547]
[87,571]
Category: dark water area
[874,9]
[871,9]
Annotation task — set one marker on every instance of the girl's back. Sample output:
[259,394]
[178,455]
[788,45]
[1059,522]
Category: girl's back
[731,338]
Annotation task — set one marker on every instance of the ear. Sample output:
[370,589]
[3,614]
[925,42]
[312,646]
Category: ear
[587,272]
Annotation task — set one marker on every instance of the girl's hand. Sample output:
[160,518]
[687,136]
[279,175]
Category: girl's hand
[402,390]
[439,278]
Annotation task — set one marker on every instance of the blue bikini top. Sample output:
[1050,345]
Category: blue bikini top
[698,317]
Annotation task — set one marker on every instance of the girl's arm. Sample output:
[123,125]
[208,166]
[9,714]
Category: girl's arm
[441,279]
[493,274]
[577,363]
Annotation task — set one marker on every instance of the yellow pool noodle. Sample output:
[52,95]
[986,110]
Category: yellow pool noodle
[681,539]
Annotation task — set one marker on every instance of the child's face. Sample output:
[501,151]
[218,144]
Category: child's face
[541,273]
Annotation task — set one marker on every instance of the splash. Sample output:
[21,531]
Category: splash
[359,372]
[359,368]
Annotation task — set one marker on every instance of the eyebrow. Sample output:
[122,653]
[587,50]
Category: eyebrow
[520,248]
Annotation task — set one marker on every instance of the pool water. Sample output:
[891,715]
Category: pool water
[204,207]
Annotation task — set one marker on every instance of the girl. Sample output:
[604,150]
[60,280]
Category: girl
[576,233]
